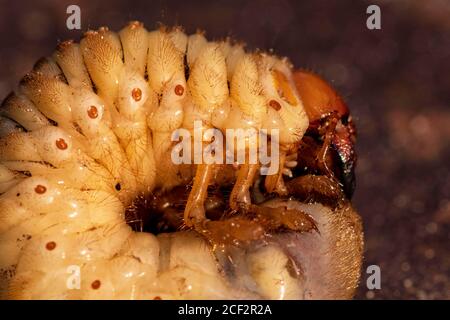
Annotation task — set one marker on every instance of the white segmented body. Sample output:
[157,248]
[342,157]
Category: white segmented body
[89,130]
[268,266]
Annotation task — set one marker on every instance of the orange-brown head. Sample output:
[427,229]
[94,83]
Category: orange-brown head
[318,97]
[331,125]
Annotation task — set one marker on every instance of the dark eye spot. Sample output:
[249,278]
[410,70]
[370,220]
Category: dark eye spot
[118,186]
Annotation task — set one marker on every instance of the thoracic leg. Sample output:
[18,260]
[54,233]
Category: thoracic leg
[240,195]
[275,182]
[329,134]
[195,211]
[274,219]
[255,223]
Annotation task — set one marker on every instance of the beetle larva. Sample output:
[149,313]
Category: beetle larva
[88,136]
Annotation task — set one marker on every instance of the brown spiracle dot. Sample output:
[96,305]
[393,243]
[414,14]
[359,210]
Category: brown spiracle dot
[96,284]
[40,189]
[275,104]
[92,112]
[157,298]
[136,93]
[50,245]
[179,90]
[61,144]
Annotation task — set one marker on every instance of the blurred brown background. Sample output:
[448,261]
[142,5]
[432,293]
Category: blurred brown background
[396,81]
